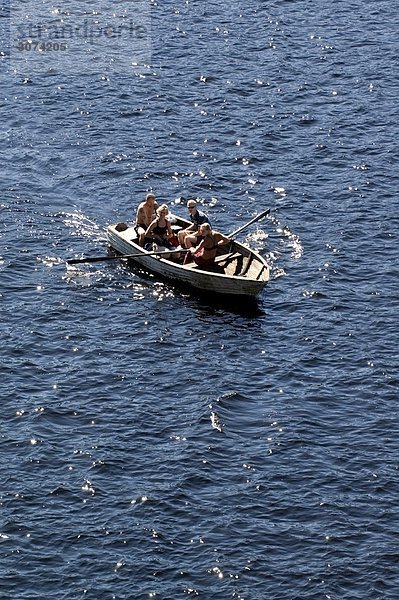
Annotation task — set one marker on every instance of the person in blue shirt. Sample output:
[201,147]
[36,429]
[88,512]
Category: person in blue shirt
[191,236]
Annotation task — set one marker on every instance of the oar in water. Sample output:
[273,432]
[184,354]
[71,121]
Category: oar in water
[257,218]
[88,259]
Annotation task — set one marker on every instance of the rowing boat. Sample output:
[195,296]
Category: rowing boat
[237,270]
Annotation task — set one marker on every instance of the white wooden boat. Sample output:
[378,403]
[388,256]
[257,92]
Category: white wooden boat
[238,270]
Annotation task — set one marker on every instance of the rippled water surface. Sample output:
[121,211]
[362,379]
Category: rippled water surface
[155,444]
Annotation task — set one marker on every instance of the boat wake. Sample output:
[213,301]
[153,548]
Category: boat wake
[82,226]
[83,278]
[276,245]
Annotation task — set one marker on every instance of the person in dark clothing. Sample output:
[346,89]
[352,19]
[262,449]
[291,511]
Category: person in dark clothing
[191,236]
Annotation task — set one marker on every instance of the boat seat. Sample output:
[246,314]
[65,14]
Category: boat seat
[215,268]
[210,268]
[227,258]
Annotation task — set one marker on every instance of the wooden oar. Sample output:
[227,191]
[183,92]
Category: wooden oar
[76,261]
[257,218]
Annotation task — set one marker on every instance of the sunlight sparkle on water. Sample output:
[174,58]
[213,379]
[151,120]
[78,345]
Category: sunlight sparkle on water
[140,500]
[217,572]
[279,190]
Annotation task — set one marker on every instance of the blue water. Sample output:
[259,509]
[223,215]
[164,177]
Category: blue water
[159,445]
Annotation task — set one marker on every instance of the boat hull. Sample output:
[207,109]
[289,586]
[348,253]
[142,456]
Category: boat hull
[223,283]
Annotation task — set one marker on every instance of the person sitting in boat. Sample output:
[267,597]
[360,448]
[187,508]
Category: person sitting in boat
[191,237]
[159,230]
[146,212]
[205,253]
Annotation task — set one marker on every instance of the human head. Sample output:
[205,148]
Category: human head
[150,197]
[162,209]
[205,229]
[191,205]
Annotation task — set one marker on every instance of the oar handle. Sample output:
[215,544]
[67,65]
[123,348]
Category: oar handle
[257,218]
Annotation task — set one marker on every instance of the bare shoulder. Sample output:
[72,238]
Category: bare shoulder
[220,236]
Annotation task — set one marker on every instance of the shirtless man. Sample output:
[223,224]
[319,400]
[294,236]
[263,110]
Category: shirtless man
[145,215]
